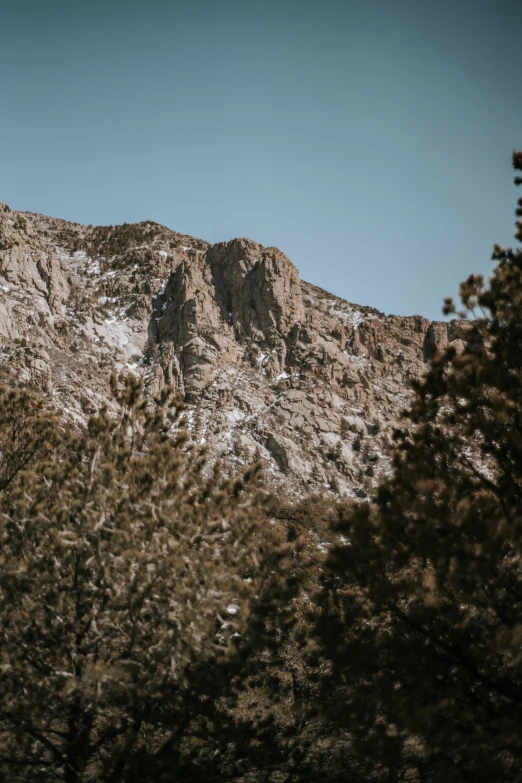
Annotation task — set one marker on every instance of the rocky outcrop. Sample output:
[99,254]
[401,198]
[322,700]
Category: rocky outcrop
[271,367]
[30,268]
[258,290]
[215,302]
[440,335]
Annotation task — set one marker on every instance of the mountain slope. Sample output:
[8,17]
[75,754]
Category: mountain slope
[271,367]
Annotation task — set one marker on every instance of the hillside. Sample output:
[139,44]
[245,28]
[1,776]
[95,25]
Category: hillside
[270,367]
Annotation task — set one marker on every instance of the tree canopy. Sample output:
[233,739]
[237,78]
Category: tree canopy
[421,615]
[128,565]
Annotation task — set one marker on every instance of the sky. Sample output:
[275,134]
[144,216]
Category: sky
[370,140]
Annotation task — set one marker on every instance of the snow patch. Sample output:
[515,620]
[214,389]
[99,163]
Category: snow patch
[234,416]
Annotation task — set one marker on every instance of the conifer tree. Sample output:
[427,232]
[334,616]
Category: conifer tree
[27,432]
[128,568]
[420,618]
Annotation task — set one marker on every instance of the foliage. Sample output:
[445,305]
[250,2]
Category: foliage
[27,432]
[421,616]
[112,240]
[128,570]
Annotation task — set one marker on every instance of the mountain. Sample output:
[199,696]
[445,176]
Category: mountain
[271,367]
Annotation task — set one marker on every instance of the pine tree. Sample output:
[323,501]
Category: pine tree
[129,568]
[27,432]
[420,618]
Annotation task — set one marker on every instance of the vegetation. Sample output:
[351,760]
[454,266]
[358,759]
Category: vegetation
[109,240]
[420,617]
[127,574]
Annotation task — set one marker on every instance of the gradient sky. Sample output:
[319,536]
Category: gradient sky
[370,140]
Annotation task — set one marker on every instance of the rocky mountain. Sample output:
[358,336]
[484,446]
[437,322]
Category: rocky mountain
[271,367]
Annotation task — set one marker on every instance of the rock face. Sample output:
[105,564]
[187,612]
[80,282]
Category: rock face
[271,367]
[214,303]
[31,272]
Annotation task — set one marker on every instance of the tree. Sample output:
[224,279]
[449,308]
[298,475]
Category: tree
[128,570]
[420,618]
[27,432]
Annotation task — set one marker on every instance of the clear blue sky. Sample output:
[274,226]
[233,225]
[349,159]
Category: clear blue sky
[369,139]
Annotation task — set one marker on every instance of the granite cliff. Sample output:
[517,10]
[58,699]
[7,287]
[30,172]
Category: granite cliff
[271,367]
